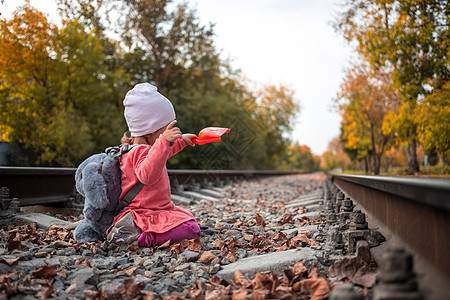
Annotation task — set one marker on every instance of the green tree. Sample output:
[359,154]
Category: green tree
[300,158]
[410,37]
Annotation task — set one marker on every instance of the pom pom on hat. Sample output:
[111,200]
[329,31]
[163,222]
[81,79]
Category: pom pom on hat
[146,110]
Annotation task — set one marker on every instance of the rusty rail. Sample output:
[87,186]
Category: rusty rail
[415,210]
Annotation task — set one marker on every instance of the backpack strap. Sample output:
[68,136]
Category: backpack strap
[117,151]
[129,196]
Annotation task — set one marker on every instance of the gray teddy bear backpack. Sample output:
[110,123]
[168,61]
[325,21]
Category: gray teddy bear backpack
[98,180]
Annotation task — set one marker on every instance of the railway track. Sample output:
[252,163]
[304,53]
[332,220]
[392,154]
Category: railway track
[259,221]
[36,186]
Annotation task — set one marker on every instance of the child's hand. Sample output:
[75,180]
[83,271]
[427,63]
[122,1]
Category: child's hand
[187,138]
[172,133]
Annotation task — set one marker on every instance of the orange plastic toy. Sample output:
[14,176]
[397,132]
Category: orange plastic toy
[210,135]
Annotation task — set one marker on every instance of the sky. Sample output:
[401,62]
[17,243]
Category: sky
[288,42]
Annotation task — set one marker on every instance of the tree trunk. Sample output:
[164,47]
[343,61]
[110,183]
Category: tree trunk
[366,163]
[376,161]
[413,166]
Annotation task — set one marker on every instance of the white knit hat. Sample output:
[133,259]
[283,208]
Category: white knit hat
[146,110]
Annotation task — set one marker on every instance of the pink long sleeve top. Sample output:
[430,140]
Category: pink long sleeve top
[152,208]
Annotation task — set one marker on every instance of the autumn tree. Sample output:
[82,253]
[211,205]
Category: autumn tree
[433,114]
[58,98]
[412,39]
[364,100]
[335,156]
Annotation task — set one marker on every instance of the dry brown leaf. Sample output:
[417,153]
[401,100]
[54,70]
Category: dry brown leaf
[240,279]
[280,237]
[45,272]
[317,287]
[84,262]
[288,275]
[9,261]
[130,271]
[195,245]
[218,243]
[284,293]
[301,237]
[229,254]
[240,294]
[62,244]
[297,287]
[46,292]
[147,295]
[356,270]
[216,294]
[165,245]
[131,288]
[179,247]
[62,273]
[260,294]
[10,288]
[287,219]
[247,237]
[299,269]
[12,243]
[260,220]
[207,257]
[62,235]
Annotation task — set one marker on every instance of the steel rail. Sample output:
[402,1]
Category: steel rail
[415,210]
[38,185]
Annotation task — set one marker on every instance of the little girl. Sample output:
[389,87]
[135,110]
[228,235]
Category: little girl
[151,218]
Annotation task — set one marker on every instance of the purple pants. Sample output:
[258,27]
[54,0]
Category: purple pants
[187,230]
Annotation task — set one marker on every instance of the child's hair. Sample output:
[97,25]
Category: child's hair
[125,140]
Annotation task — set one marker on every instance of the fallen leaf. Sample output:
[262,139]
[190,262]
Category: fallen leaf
[46,292]
[284,293]
[131,288]
[62,244]
[218,243]
[299,269]
[260,220]
[301,237]
[165,245]
[179,247]
[12,243]
[62,273]
[317,287]
[9,261]
[260,294]
[229,254]
[355,269]
[207,257]
[240,294]
[195,245]
[45,272]
[287,219]
[147,295]
[84,262]
[240,279]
